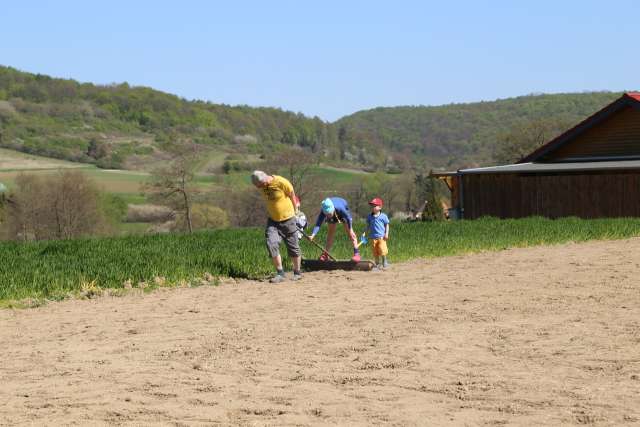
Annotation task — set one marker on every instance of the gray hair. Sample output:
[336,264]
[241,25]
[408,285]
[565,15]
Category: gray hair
[259,177]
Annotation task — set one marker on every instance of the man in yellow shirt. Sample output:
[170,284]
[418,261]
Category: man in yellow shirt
[281,203]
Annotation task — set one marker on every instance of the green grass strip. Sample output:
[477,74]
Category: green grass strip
[53,269]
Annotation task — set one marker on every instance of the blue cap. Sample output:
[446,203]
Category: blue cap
[327,206]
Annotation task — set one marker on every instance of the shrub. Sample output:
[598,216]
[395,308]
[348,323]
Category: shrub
[149,213]
[60,207]
[205,216]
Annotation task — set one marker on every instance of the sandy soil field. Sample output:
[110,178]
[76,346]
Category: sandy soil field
[538,336]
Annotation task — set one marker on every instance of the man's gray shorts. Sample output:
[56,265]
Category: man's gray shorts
[285,230]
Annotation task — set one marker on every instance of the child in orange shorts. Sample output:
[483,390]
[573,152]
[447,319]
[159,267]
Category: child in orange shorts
[378,230]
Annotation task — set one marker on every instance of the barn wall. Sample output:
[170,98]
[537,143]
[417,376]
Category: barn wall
[585,195]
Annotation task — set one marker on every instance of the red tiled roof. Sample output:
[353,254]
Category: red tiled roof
[634,95]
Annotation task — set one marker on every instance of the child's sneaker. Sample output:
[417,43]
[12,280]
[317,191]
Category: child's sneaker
[355,258]
[324,257]
[385,264]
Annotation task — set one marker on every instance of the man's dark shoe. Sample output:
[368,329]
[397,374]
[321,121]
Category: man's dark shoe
[278,278]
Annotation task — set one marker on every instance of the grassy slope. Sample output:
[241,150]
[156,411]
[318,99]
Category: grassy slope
[60,117]
[124,126]
[129,182]
[11,160]
[122,182]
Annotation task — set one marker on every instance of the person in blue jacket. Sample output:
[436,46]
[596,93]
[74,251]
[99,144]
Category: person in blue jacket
[336,210]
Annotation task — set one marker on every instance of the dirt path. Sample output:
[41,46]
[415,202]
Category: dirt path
[540,336]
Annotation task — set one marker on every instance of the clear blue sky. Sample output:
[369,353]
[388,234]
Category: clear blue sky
[330,58]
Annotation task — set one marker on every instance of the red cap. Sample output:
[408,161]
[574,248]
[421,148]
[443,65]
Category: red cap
[376,202]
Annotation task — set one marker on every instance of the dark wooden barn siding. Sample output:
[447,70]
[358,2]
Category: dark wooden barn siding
[592,195]
[618,136]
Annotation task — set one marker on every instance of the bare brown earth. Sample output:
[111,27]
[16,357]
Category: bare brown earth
[539,336]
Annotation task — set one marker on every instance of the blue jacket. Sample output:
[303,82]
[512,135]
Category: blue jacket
[341,214]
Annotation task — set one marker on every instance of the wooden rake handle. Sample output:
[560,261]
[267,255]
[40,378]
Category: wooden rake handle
[331,257]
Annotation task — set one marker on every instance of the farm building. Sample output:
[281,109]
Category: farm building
[590,171]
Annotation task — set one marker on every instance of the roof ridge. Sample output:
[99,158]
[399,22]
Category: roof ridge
[597,117]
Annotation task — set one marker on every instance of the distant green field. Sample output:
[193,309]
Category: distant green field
[337,175]
[122,182]
[130,182]
[134,227]
[110,181]
[329,175]
[11,160]
[12,163]
[56,269]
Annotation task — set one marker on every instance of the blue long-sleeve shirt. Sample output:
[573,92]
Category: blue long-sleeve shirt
[341,214]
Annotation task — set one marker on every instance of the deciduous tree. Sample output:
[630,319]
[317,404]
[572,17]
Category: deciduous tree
[297,165]
[524,138]
[173,185]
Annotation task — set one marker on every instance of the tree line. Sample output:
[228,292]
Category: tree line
[465,135]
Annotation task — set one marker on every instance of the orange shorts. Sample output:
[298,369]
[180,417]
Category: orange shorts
[380,247]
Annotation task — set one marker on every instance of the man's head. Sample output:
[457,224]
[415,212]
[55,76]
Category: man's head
[327,207]
[259,179]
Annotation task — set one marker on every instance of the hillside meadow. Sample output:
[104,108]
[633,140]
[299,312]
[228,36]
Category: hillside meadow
[53,270]
[13,163]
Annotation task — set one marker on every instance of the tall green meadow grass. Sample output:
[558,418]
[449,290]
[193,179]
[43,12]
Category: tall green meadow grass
[54,269]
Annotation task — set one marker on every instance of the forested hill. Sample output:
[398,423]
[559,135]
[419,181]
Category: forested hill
[113,124]
[118,126]
[462,134]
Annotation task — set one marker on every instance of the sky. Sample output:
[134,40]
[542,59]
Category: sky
[330,58]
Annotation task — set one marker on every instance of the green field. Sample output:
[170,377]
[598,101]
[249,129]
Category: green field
[338,175]
[129,183]
[58,269]
[12,163]
[11,160]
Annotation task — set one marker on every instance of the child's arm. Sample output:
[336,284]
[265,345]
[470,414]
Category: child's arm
[386,228]
[346,216]
[319,222]
[367,230]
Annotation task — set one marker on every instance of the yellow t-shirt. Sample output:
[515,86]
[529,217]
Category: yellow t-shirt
[276,195]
